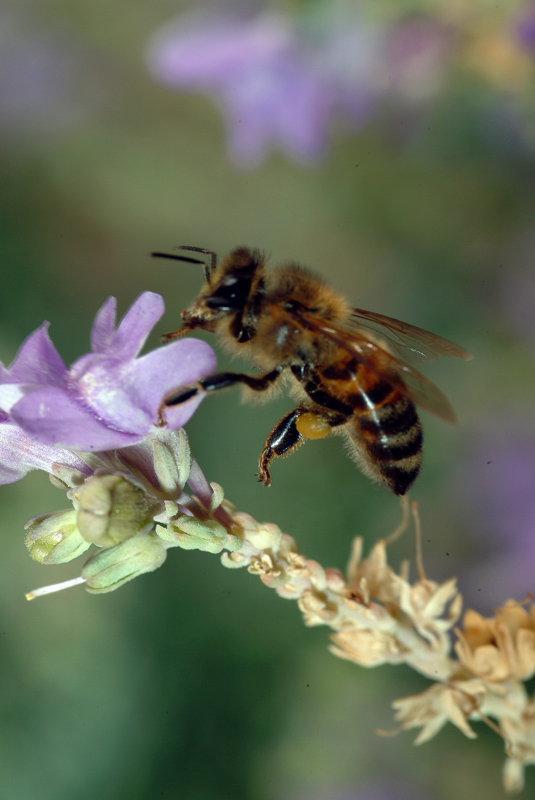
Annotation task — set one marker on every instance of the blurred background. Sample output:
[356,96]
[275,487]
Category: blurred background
[389,146]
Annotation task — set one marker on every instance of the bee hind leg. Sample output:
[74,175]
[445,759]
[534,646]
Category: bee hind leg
[283,440]
[291,431]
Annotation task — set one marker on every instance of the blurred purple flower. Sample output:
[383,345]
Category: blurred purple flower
[48,82]
[281,82]
[525,30]
[388,789]
[417,50]
[108,399]
[498,489]
[516,296]
[274,89]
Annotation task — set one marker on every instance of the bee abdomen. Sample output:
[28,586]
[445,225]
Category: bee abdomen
[392,436]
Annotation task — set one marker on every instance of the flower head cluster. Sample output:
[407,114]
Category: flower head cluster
[126,502]
[379,616]
[93,429]
[494,656]
[500,648]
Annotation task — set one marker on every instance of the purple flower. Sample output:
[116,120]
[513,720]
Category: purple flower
[269,90]
[394,788]
[281,82]
[275,88]
[108,399]
[47,83]
[526,28]
[418,49]
[20,453]
[516,293]
[497,487]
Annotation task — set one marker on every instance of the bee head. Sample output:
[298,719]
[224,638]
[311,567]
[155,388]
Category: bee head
[233,288]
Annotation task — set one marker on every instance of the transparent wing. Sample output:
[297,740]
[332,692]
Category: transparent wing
[369,351]
[413,345]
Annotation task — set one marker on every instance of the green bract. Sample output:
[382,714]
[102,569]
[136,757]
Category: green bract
[113,566]
[111,509]
[54,538]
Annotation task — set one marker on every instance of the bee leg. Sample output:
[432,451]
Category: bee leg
[290,432]
[212,384]
[283,440]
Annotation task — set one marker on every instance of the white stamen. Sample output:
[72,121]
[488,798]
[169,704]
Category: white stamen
[54,587]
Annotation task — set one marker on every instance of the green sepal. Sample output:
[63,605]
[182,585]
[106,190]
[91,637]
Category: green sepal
[111,510]
[207,535]
[111,568]
[54,538]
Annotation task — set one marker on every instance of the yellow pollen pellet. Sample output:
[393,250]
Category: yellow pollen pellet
[312,426]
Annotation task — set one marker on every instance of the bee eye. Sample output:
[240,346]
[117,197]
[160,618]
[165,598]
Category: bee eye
[230,295]
[293,306]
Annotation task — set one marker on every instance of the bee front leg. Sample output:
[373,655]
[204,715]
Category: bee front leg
[212,384]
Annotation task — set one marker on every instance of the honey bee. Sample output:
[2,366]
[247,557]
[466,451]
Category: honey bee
[350,369]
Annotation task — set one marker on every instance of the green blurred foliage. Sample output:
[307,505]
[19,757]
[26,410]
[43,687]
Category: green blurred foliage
[196,682]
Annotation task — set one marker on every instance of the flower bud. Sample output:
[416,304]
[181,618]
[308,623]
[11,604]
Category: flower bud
[262,536]
[64,476]
[54,538]
[112,567]
[111,509]
[207,535]
[217,497]
[172,462]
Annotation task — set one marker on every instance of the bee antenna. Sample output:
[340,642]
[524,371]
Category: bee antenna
[208,269]
[177,258]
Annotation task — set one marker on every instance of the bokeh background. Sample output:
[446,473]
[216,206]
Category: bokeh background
[388,145]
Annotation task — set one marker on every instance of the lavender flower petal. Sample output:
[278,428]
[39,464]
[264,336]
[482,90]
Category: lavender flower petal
[127,396]
[37,361]
[19,454]
[51,416]
[104,326]
[153,376]
[199,485]
[132,332]
[109,398]
[281,102]
[203,50]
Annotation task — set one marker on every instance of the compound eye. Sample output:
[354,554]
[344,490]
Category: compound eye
[230,295]
[294,306]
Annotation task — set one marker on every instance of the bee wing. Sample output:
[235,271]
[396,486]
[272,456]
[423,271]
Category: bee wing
[413,345]
[378,359]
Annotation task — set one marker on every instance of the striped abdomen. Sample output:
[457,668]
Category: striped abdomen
[391,434]
[384,431]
